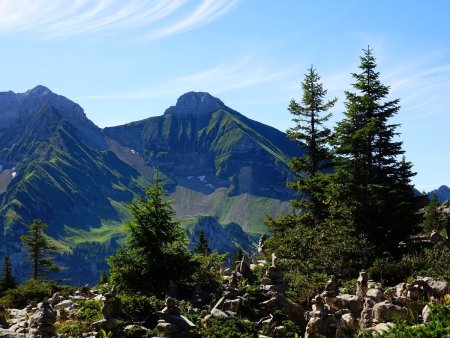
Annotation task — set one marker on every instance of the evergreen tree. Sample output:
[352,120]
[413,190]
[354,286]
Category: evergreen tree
[156,250]
[313,243]
[202,244]
[7,280]
[378,187]
[434,218]
[310,116]
[39,249]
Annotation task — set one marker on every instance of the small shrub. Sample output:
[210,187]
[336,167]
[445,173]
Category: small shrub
[139,308]
[231,327]
[304,287]
[69,328]
[33,290]
[89,311]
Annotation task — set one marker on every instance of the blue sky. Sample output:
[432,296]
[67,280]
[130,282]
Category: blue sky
[128,60]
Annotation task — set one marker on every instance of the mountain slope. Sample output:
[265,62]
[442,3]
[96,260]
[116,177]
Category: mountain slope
[221,169]
[203,145]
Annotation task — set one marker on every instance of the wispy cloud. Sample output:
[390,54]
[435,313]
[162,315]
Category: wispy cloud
[245,73]
[62,18]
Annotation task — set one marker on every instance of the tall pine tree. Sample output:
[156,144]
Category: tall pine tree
[309,118]
[377,183]
[310,242]
[39,249]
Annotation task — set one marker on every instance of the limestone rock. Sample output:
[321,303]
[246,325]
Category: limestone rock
[65,304]
[376,295]
[351,302]
[362,284]
[426,314]
[387,312]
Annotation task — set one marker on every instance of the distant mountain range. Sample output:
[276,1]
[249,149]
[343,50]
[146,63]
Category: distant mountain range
[224,171]
[442,193]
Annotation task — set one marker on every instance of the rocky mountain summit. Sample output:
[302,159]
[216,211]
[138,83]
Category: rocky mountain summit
[58,166]
[196,103]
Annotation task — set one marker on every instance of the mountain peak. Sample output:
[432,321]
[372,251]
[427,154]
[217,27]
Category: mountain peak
[39,90]
[196,103]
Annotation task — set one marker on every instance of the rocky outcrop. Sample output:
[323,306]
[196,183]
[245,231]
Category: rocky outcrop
[172,323]
[333,314]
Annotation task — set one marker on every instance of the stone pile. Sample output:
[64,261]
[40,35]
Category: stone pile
[172,323]
[273,278]
[371,309]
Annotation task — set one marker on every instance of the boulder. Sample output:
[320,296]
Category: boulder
[438,288]
[376,295]
[387,312]
[324,326]
[351,302]
[41,323]
[65,304]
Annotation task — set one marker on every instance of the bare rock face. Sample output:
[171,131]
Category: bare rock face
[41,323]
[387,312]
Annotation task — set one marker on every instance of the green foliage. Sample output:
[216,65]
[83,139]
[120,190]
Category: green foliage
[231,327]
[438,327]
[208,271]
[310,117]
[39,248]
[7,280]
[33,290]
[434,218]
[310,254]
[156,250]
[137,308]
[104,334]
[201,247]
[69,328]
[432,262]
[379,193]
[89,311]
[292,330]
[237,256]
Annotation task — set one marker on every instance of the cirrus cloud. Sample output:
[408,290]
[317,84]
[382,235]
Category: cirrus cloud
[62,18]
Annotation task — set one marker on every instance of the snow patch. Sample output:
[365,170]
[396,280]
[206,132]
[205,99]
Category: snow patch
[210,185]
[134,152]
[189,177]
[202,178]
[13,174]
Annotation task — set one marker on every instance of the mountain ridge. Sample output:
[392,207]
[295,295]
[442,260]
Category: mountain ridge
[57,165]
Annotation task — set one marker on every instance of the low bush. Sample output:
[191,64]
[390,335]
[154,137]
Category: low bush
[138,308]
[33,290]
[231,327]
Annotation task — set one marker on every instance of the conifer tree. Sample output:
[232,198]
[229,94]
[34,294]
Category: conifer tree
[377,182]
[434,218]
[309,117]
[7,280]
[39,249]
[202,244]
[156,250]
[312,241]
